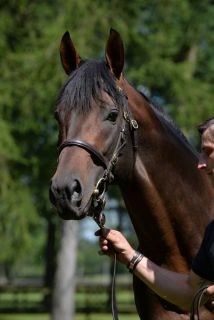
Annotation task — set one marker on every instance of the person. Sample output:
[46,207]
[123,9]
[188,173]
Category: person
[176,288]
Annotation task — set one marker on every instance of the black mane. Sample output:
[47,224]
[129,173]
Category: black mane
[85,83]
[164,117]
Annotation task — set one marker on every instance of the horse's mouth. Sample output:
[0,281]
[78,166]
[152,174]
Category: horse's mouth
[70,210]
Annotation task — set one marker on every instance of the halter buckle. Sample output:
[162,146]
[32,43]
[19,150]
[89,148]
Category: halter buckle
[114,160]
[134,124]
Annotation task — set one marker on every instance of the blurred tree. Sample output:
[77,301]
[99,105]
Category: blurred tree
[171,54]
[29,59]
[63,295]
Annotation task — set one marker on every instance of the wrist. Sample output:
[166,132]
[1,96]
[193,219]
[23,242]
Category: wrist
[136,258]
[126,256]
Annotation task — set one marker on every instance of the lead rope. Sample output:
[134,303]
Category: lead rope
[197,302]
[99,218]
[113,295]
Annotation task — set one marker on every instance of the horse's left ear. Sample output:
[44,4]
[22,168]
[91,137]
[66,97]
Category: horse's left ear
[69,57]
[115,53]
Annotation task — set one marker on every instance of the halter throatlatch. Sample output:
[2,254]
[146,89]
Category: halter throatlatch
[98,200]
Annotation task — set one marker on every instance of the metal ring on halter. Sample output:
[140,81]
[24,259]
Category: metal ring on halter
[97,191]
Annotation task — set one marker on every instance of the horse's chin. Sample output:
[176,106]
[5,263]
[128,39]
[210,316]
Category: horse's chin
[68,215]
[70,212]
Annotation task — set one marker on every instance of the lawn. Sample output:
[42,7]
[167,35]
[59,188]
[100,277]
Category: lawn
[77,317]
[89,296]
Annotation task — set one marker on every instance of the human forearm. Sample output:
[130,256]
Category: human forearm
[171,286]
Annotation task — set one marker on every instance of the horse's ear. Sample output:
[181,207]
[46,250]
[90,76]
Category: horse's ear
[69,57]
[115,53]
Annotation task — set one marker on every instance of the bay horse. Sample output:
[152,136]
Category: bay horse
[110,131]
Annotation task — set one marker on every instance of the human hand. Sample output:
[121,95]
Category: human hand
[210,291]
[112,241]
[210,294]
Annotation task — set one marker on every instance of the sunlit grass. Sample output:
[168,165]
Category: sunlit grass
[24,317]
[91,316]
[86,297]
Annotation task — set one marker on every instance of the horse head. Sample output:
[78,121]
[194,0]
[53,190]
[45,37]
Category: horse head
[95,128]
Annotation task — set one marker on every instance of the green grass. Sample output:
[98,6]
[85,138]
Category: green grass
[24,317]
[77,317]
[87,296]
[14,300]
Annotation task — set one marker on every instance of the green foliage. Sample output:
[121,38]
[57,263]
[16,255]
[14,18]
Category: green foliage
[96,316]
[172,55]
[26,104]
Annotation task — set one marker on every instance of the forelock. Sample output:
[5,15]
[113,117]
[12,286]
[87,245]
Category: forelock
[85,84]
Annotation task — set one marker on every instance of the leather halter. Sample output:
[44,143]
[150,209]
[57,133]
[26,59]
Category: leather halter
[86,146]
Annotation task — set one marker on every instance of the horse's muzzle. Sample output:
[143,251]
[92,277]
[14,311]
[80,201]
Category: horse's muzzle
[67,199]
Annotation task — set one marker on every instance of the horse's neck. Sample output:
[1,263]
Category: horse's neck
[150,216]
[168,215]
[163,192]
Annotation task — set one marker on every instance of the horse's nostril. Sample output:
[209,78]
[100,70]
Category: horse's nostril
[62,194]
[73,192]
[77,186]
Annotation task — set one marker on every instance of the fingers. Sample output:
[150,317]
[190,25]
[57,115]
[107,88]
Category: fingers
[115,239]
[103,243]
[105,246]
[111,242]
[210,290]
[110,234]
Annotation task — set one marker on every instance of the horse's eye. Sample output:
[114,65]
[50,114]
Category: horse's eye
[113,115]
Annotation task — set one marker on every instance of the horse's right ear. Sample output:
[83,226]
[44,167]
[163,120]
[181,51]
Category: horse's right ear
[69,57]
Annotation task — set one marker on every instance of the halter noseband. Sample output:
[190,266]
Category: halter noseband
[86,146]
